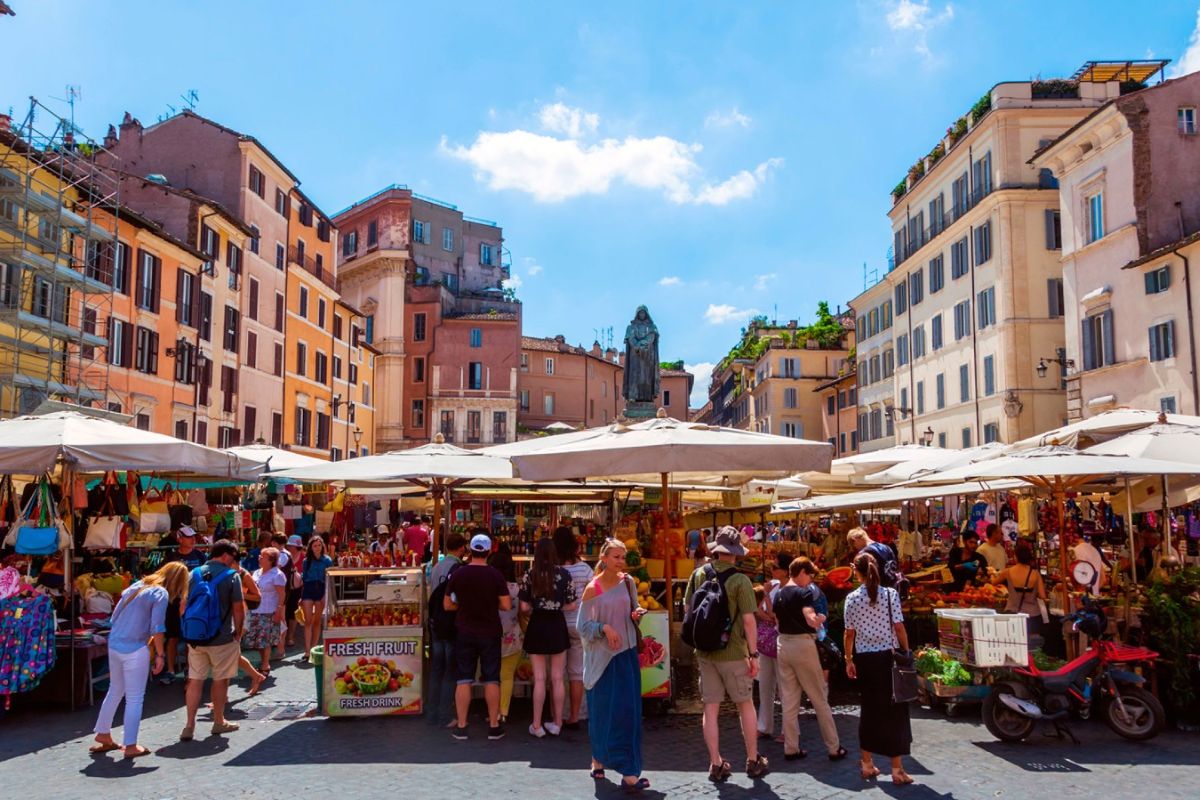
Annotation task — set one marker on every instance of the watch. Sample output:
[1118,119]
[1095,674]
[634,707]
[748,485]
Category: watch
[754,655]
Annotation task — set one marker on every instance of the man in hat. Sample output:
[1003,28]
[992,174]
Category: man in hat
[192,557]
[732,669]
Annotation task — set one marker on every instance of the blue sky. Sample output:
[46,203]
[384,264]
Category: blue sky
[711,160]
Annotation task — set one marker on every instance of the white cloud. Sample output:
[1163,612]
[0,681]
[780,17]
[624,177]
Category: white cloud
[761,281]
[571,122]
[719,119]
[1190,60]
[535,269]
[669,280]
[724,313]
[514,282]
[916,20]
[703,375]
[553,169]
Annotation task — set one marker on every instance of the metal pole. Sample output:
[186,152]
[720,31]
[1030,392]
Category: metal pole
[1129,524]
[1166,521]
[669,560]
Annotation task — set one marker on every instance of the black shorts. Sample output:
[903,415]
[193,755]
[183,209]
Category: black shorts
[484,653]
[174,624]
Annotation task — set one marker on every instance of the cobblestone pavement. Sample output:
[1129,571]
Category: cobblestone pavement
[44,754]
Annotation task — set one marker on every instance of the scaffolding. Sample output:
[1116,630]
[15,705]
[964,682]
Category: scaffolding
[59,262]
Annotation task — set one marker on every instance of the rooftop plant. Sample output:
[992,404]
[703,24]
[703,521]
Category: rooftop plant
[981,107]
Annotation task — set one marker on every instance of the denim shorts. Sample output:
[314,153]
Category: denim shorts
[470,652]
[313,590]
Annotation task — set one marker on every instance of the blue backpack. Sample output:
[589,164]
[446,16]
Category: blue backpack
[202,619]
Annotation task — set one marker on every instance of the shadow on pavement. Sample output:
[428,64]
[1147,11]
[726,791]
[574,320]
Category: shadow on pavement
[103,766]
[202,746]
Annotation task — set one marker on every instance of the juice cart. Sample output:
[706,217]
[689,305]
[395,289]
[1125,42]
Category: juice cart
[374,641]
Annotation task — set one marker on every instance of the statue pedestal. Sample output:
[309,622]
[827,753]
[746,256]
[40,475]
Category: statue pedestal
[640,410]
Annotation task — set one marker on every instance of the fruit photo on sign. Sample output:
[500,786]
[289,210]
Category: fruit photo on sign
[368,676]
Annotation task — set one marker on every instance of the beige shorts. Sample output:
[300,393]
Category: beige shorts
[221,660]
[719,678]
[574,656]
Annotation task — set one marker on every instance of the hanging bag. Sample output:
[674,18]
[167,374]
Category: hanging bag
[179,510]
[637,628]
[155,513]
[106,531]
[904,672]
[38,536]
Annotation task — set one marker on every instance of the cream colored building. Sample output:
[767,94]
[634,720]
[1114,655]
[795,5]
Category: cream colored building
[876,367]
[1128,179]
[977,284]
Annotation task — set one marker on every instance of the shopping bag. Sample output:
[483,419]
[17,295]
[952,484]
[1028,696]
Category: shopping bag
[33,540]
[198,500]
[40,535]
[106,533]
[904,677]
[324,522]
[154,521]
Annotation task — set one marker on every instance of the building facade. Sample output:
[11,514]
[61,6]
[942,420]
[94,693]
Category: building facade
[838,399]
[875,370]
[1130,205]
[977,279]
[564,383]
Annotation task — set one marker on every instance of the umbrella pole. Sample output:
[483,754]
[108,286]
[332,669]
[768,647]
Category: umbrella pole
[435,534]
[1129,524]
[1166,521]
[669,555]
[1060,497]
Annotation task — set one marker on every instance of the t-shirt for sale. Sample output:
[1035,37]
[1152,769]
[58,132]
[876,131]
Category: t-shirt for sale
[477,589]
[268,586]
[789,607]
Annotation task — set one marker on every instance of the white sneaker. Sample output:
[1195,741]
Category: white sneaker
[538,732]
[552,729]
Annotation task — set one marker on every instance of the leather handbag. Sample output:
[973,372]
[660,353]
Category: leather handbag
[829,654]
[106,531]
[637,628]
[904,672]
[155,513]
[179,509]
[40,536]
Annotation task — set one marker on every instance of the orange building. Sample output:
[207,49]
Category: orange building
[564,383]
[839,411]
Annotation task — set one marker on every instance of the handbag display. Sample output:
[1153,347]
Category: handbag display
[155,513]
[44,535]
[904,672]
[179,509]
[106,531]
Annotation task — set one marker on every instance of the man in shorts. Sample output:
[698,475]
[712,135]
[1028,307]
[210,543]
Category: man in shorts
[220,656]
[731,670]
[478,592]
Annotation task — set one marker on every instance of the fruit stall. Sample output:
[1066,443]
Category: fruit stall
[374,641]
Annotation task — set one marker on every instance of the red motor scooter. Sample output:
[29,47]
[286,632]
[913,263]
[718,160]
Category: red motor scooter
[1093,680]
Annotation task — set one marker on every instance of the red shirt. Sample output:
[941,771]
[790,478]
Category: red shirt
[415,539]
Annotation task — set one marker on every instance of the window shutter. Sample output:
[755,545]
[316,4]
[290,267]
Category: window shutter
[1050,229]
[1089,344]
[156,277]
[1109,343]
[1170,339]
[179,294]
[1154,354]
[1052,299]
[1151,285]
[153,353]
[1166,280]
[127,330]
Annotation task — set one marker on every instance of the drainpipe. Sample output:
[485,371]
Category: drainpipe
[1187,283]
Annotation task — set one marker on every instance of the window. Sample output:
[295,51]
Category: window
[901,350]
[303,302]
[960,196]
[303,426]
[1187,120]
[419,327]
[789,367]
[475,375]
[281,203]
[321,313]
[916,287]
[901,298]
[940,391]
[231,329]
[279,311]
[447,425]
[935,332]
[185,298]
[487,255]
[419,233]
[146,359]
[418,414]
[886,314]
[1099,348]
[991,432]
[474,427]
[277,369]
[524,362]
[320,367]
[1095,217]
[793,430]
[352,373]
[549,366]
[920,397]
[181,429]
[983,243]
[499,427]
[1054,297]
[830,406]
[229,381]
[1053,229]
[941,440]
[418,370]
[149,275]
[252,311]
[185,363]
[1158,280]
[366,394]
[251,349]
[476,337]
[350,243]
[276,428]
[959,265]
[369,330]
[548,403]
[1167,405]
[421,276]
[937,274]
[301,358]
[918,342]
[666,397]
[210,242]
[337,368]
[985,307]
[966,437]
[448,240]
[989,376]
[323,423]
[258,185]
[280,256]
[1162,341]
[962,320]
[372,234]
[789,399]
[88,319]
[142,421]
[524,399]
[937,216]
[252,242]
[964,383]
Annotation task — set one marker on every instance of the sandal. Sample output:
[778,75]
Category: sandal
[636,787]
[796,756]
[839,755]
[598,774]
[138,753]
[901,778]
[757,768]
[719,773]
[104,747]
[868,771]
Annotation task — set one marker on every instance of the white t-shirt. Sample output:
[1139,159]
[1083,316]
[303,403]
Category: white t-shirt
[995,554]
[268,582]
[581,574]
[284,558]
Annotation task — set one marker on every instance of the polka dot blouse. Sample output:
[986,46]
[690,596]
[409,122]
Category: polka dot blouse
[872,624]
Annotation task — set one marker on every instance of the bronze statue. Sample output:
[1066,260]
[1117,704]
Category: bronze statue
[641,384]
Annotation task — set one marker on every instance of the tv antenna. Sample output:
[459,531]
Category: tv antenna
[74,92]
[867,277]
[190,99]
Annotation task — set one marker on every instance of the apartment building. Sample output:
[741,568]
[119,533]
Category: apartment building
[1130,234]
[838,399]
[566,383]
[429,282]
[675,392]
[976,302]
[875,371]
[352,405]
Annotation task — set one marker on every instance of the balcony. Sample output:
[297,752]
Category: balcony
[309,265]
[906,248]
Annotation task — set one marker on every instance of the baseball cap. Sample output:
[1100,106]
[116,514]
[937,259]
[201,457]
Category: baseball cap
[295,541]
[188,531]
[480,543]
[382,529]
[728,541]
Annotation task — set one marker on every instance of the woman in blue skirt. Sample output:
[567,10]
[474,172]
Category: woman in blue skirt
[612,674]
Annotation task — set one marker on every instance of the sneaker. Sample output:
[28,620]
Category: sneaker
[552,729]
[757,768]
[719,773]
[224,727]
[459,733]
[167,679]
[538,732]
[495,733]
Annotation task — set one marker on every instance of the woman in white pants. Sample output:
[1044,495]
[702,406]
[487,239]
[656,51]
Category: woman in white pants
[138,621]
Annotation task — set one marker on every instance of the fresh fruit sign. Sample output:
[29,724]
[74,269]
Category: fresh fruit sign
[366,676]
[654,659]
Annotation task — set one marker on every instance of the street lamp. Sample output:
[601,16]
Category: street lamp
[1060,359]
[927,437]
[357,440]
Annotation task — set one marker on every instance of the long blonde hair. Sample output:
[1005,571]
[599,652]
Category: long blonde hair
[609,544]
[174,577]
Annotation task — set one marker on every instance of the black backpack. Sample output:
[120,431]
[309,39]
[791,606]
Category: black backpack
[707,623]
[441,621]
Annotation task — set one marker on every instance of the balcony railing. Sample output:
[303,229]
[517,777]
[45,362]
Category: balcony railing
[309,265]
[907,248]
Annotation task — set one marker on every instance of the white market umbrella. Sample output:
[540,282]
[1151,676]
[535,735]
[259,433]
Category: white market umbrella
[559,426]
[935,458]
[34,444]
[866,463]
[266,458]
[893,496]
[1100,428]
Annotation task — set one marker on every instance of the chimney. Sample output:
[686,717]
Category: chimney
[110,138]
[610,355]
[596,351]
[128,122]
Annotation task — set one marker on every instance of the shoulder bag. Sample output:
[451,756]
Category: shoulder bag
[43,536]
[637,628]
[106,531]
[904,672]
[155,516]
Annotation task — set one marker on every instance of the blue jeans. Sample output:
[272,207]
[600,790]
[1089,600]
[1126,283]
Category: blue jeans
[442,672]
